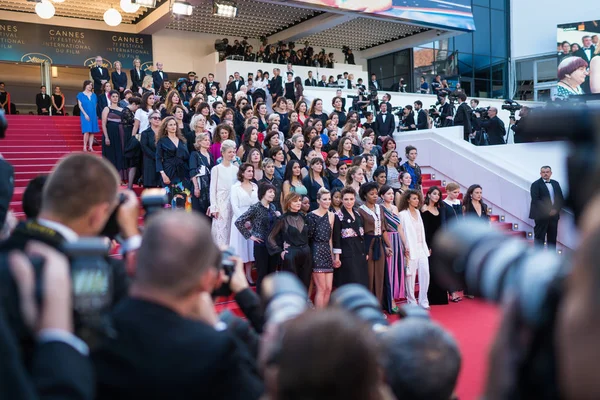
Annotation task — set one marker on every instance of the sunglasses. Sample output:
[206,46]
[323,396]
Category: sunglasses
[155,118]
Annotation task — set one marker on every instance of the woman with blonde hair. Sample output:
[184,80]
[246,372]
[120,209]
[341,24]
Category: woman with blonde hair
[354,178]
[200,164]
[148,85]
[222,178]
[137,77]
[119,79]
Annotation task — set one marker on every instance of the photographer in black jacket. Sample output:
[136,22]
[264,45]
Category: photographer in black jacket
[463,116]
[494,127]
[523,113]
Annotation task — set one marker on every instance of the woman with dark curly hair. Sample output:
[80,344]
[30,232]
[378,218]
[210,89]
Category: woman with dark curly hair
[473,204]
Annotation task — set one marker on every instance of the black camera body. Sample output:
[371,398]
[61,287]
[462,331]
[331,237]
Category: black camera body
[512,107]
[483,112]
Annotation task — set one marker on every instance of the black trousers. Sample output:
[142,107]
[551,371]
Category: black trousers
[298,260]
[265,263]
[545,230]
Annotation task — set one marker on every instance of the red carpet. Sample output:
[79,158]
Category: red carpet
[474,324]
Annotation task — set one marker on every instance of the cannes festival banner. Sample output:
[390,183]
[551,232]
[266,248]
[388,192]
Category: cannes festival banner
[36,43]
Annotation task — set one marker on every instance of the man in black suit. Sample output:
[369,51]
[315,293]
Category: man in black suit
[421,115]
[384,123]
[159,76]
[236,84]
[587,53]
[60,367]
[445,112]
[546,201]
[276,85]
[99,75]
[495,128]
[323,81]
[463,116]
[42,101]
[211,82]
[169,342]
[310,81]
[374,83]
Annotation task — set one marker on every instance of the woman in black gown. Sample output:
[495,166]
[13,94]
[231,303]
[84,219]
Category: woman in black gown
[172,158]
[148,144]
[132,150]
[114,136]
[200,164]
[58,102]
[348,235]
[432,221]
[292,229]
[452,210]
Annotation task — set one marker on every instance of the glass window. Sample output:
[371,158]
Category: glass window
[546,70]
[498,4]
[482,88]
[485,3]
[499,69]
[498,90]
[481,38]
[499,33]
[464,42]
[465,65]
[482,67]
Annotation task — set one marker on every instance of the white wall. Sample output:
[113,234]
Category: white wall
[533,23]
[182,51]
[505,172]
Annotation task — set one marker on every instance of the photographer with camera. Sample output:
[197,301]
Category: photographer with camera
[463,116]
[59,367]
[168,341]
[493,126]
[514,124]
[445,112]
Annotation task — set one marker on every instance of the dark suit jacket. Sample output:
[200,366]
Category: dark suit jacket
[422,119]
[136,82]
[43,102]
[119,80]
[495,129]
[541,205]
[211,84]
[310,82]
[97,77]
[157,354]
[158,81]
[234,86]
[446,111]
[372,85]
[276,87]
[463,118]
[102,102]
[322,84]
[384,128]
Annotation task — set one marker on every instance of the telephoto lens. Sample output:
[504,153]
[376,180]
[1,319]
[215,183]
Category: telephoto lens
[285,296]
[359,301]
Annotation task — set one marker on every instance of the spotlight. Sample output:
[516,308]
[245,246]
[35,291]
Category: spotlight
[223,8]
[112,17]
[129,7]
[489,210]
[515,227]
[502,218]
[182,8]
[432,176]
[44,9]
[559,252]
[145,3]
[529,235]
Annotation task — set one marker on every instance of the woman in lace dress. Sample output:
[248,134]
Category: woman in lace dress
[244,193]
[222,178]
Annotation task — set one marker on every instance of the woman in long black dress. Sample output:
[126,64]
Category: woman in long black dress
[321,222]
[148,143]
[114,135]
[172,158]
[452,210]
[58,102]
[200,164]
[292,230]
[132,151]
[348,235]
[432,221]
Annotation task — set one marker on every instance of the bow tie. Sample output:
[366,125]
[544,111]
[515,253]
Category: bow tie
[587,48]
[546,181]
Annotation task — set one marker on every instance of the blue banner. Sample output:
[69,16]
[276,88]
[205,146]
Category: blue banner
[35,43]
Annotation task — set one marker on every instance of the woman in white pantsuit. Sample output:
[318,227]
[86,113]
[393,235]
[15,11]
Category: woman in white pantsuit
[418,261]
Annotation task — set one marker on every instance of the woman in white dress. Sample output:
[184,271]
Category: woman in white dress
[244,193]
[222,178]
[416,245]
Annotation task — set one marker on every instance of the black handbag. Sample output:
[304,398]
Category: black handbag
[132,148]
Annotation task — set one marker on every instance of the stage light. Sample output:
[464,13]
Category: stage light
[112,17]
[58,1]
[182,8]
[128,7]
[54,72]
[146,3]
[515,227]
[45,9]
[226,9]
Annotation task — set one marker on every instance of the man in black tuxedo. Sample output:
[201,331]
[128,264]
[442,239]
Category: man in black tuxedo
[546,201]
[276,85]
[323,81]
[42,101]
[587,53]
[495,128]
[211,82]
[236,84]
[463,116]
[99,75]
[384,123]
[374,83]
[445,111]
[310,81]
[421,115]
[169,342]
[60,367]
[159,76]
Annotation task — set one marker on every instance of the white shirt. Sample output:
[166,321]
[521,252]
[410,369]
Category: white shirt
[550,189]
[588,52]
[67,233]
[100,69]
[142,116]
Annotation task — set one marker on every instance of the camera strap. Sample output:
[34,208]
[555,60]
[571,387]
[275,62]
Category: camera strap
[31,230]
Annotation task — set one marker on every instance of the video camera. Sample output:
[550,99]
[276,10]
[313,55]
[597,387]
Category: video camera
[511,106]
[483,112]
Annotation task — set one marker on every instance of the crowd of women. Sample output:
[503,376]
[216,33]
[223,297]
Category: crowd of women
[295,189]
